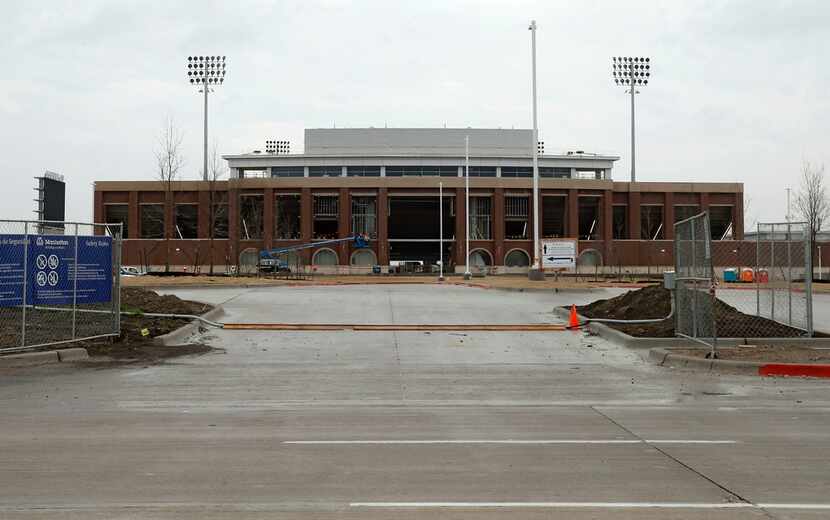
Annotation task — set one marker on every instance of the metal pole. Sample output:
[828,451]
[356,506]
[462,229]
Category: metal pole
[757,264]
[75,284]
[695,275]
[25,281]
[535,146]
[205,171]
[789,276]
[633,171]
[808,280]
[467,274]
[441,231]
[771,273]
[788,205]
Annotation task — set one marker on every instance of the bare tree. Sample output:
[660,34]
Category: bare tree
[169,162]
[811,199]
[218,201]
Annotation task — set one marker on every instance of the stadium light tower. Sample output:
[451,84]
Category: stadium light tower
[206,72]
[631,72]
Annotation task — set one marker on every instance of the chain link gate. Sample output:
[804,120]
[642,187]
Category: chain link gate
[59,282]
[783,274]
[695,302]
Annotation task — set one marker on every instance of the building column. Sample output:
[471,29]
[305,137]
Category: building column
[738,217]
[133,216]
[169,215]
[460,255]
[344,224]
[704,202]
[306,221]
[203,218]
[634,215]
[668,216]
[268,218]
[573,213]
[233,225]
[383,227]
[607,225]
[498,226]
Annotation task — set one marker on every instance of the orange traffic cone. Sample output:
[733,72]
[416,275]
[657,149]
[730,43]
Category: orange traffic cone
[573,322]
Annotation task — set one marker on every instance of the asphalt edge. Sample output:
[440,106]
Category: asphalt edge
[180,335]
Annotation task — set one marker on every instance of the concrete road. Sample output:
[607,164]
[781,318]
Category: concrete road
[376,425]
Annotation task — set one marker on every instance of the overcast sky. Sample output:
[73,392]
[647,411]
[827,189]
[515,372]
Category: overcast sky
[739,89]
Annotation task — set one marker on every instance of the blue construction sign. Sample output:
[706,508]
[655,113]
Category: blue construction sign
[50,271]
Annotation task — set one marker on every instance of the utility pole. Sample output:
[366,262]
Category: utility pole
[440,231]
[467,273]
[535,272]
[789,214]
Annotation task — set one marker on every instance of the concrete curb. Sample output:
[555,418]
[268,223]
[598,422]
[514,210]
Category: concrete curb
[665,357]
[31,359]
[607,332]
[180,335]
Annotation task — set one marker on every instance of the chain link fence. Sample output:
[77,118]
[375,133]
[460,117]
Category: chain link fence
[694,281]
[58,283]
[769,298]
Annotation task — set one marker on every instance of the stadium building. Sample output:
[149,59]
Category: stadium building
[384,183]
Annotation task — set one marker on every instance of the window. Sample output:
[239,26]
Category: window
[720,222]
[481,171]
[363,171]
[250,173]
[325,171]
[555,173]
[685,211]
[115,213]
[287,217]
[651,222]
[480,218]
[479,258]
[364,258]
[287,171]
[515,218]
[421,171]
[325,216]
[152,221]
[516,171]
[589,174]
[250,217]
[364,216]
[553,217]
[187,220]
[619,222]
[589,228]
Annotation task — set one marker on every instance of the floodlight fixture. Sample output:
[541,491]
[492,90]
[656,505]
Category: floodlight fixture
[206,72]
[277,147]
[632,72]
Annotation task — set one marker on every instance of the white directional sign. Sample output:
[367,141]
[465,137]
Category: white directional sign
[559,254]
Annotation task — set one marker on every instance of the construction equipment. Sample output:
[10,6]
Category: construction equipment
[271,261]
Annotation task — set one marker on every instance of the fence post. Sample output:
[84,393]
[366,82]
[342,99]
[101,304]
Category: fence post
[25,281]
[75,286]
[771,274]
[808,279]
[693,266]
[757,264]
[789,276]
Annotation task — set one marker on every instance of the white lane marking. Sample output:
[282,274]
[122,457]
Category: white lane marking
[592,505]
[511,441]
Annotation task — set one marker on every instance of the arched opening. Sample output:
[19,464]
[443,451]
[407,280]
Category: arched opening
[480,258]
[324,257]
[517,258]
[364,258]
[248,260]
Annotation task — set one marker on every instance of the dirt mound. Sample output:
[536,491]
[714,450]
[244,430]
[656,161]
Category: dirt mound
[135,299]
[655,302]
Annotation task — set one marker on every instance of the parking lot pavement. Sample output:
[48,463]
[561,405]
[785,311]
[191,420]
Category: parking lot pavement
[407,424]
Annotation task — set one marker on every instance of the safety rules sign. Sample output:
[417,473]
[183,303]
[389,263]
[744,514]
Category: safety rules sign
[49,269]
[559,254]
